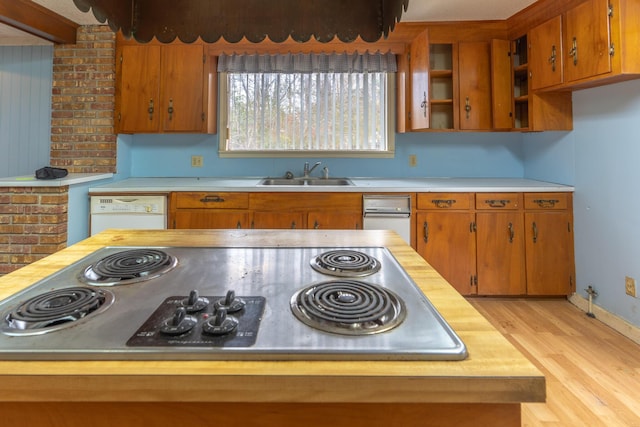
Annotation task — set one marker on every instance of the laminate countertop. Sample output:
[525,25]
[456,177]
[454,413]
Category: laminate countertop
[252,184]
[491,382]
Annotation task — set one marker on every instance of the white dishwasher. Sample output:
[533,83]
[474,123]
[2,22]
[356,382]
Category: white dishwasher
[387,212]
[132,211]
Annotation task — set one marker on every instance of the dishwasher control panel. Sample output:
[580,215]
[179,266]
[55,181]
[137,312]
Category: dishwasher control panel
[128,204]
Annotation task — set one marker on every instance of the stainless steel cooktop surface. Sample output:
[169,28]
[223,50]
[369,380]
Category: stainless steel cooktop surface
[194,303]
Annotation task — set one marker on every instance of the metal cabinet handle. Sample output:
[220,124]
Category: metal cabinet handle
[535,232]
[425,229]
[546,203]
[150,109]
[501,203]
[316,224]
[511,232]
[170,109]
[212,199]
[238,225]
[441,203]
[467,107]
[293,224]
[552,58]
[573,52]
[423,105]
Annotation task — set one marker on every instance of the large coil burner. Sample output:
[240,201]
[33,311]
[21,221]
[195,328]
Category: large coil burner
[129,266]
[348,307]
[55,310]
[345,263]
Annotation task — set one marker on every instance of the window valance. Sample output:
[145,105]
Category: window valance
[309,63]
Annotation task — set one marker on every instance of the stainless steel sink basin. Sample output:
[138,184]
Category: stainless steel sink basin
[306,181]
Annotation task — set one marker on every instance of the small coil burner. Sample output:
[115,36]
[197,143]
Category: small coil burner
[345,263]
[56,310]
[348,307]
[129,266]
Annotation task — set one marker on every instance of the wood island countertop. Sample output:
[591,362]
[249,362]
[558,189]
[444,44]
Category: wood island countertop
[495,376]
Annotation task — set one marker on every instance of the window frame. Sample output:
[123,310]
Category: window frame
[223,96]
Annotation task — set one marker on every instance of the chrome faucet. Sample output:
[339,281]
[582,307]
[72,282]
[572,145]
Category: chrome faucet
[308,170]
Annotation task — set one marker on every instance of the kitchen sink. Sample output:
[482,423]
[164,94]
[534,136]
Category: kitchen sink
[306,181]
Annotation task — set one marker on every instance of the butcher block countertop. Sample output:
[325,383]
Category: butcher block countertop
[495,373]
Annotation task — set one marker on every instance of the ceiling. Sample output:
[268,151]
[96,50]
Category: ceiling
[419,10]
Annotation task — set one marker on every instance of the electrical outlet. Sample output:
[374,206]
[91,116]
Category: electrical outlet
[413,160]
[630,286]
[196,161]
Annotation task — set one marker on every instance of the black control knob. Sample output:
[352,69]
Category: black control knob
[220,324]
[179,323]
[195,302]
[230,303]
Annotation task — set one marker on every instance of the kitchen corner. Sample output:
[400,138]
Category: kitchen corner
[488,385]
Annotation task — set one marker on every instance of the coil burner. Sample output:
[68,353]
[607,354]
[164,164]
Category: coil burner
[345,263]
[129,266]
[348,307]
[56,310]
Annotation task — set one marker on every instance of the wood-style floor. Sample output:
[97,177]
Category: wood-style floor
[592,371]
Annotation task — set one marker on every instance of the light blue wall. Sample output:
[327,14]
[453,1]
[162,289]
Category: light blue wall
[603,155]
[25,108]
[438,154]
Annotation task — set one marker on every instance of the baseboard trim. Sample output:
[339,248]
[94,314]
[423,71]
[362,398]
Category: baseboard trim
[625,328]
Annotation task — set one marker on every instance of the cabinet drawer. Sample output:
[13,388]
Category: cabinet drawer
[443,201]
[498,201]
[546,201]
[213,200]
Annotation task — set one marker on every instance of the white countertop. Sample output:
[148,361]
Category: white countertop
[165,185]
[72,178]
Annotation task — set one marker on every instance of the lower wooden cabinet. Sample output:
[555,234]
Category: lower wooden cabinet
[283,210]
[499,243]
[447,242]
[446,239]
[481,243]
[549,244]
[208,210]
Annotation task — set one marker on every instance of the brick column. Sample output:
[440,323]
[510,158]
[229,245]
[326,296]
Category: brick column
[33,224]
[82,132]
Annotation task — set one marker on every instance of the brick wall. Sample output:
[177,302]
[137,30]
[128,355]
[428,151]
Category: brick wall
[82,133]
[33,224]
[33,220]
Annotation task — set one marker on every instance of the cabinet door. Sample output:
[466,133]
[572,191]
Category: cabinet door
[277,220]
[549,253]
[500,253]
[139,89]
[474,79]
[447,242]
[419,70]
[333,220]
[210,219]
[545,54]
[501,96]
[182,90]
[587,40]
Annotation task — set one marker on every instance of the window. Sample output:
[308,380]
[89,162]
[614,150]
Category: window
[288,105]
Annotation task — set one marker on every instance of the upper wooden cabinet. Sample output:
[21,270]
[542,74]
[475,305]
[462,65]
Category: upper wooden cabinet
[474,104]
[545,51]
[535,110]
[450,85]
[587,40]
[162,88]
[582,44]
